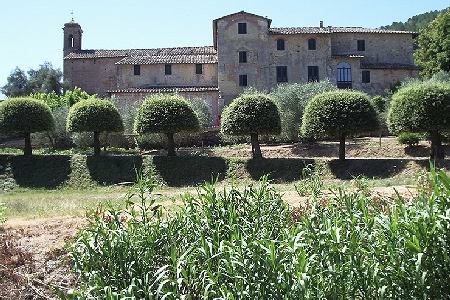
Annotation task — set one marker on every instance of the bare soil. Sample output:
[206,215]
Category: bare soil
[368,147]
[33,260]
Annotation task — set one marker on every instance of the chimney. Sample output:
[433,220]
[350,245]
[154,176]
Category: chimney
[321,24]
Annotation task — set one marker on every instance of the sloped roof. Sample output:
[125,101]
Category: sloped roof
[330,29]
[167,89]
[243,13]
[169,59]
[103,53]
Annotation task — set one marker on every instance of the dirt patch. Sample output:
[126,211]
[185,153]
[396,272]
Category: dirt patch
[33,261]
[368,147]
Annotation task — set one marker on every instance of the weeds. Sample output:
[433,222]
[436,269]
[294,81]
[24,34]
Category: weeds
[2,213]
[244,244]
[311,183]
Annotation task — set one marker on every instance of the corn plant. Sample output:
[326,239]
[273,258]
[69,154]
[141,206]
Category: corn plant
[244,244]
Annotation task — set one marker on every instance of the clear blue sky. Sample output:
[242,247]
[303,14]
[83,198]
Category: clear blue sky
[31,30]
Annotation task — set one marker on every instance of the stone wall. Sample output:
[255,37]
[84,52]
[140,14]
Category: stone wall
[154,75]
[380,48]
[229,43]
[94,75]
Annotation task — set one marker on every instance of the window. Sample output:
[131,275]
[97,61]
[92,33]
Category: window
[361,45]
[168,69]
[242,80]
[137,69]
[71,41]
[242,28]
[282,74]
[313,73]
[198,69]
[344,75]
[280,44]
[312,44]
[242,57]
[365,77]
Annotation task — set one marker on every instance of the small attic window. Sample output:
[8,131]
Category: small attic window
[280,44]
[242,28]
[137,70]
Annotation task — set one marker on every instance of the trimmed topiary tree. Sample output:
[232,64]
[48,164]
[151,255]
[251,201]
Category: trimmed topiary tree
[251,114]
[94,115]
[339,114]
[422,107]
[25,116]
[167,114]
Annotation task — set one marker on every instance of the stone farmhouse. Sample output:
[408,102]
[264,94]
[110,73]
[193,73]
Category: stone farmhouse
[246,52]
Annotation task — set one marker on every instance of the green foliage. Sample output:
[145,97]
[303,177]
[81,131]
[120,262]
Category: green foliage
[311,183]
[52,99]
[441,76]
[94,115]
[2,213]
[433,54]
[201,109]
[420,107]
[409,138]
[337,113]
[291,100]
[165,114]
[251,113]
[233,244]
[379,103]
[16,84]
[25,115]
[76,95]
[416,23]
[46,79]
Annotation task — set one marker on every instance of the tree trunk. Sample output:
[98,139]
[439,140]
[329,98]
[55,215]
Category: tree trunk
[27,151]
[256,150]
[96,143]
[170,145]
[342,147]
[437,152]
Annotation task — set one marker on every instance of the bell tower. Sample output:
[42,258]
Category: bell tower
[72,37]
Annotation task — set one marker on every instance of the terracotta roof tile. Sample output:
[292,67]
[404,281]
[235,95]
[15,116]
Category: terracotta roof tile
[101,53]
[167,89]
[169,59]
[328,30]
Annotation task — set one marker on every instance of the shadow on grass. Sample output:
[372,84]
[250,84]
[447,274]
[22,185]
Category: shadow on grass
[106,170]
[189,170]
[372,168]
[40,171]
[279,170]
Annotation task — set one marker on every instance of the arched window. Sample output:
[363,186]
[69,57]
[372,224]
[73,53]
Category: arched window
[344,75]
[312,44]
[70,41]
[280,44]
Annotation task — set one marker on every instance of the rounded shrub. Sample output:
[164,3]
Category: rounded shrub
[25,116]
[422,107]
[338,114]
[167,114]
[409,138]
[94,115]
[251,114]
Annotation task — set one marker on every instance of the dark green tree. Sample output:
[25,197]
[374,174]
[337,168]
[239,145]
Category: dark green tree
[16,84]
[339,114]
[94,115]
[45,79]
[253,115]
[167,114]
[25,116]
[433,54]
[422,107]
